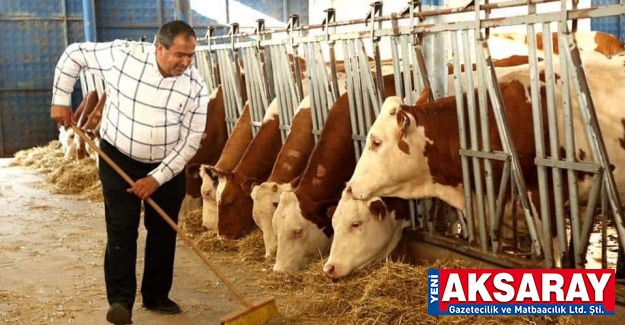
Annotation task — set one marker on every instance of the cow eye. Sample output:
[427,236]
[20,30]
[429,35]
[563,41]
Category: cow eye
[356,224]
[298,232]
[275,204]
[375,143]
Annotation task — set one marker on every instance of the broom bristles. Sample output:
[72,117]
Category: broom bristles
[260,313]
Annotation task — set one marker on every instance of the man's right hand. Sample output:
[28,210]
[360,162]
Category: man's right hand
[62,115]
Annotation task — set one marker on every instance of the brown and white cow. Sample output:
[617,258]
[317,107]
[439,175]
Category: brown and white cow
[302,221]
[73,147]
[364,231]
[211,146]
[289,166]
[235,147]
[234,203]
[421,142]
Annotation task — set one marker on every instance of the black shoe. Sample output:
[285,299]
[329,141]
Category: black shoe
[163,306]
[119,314]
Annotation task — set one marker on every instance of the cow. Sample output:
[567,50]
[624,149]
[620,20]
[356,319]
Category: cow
[234,203]
[211,146]
[422,141]
[234,149]
[606,44]
[72,145]
[285,174]
[364,231]
[302,220]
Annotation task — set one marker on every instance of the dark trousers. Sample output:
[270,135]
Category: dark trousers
[122,213]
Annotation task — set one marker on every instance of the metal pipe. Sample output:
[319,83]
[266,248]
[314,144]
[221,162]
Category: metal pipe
[466,178]
[482,64]
[556,173]
[351,93]
[316,124]
[88,13]
[160,11]
[182,11]
[396,68]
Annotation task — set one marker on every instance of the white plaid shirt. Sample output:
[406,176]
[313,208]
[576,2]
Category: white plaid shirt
[150,118]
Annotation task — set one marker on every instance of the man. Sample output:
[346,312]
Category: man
[152,123]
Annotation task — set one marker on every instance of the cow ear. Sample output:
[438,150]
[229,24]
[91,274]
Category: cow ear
[248,183]
[403,122]
[424,97]
[330,211]
[192,171]
[295,181]
[378,209]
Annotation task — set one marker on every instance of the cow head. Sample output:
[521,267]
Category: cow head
[364,231]
[209,196]
[266,197]
[234,204]
[299,240]
[393,161]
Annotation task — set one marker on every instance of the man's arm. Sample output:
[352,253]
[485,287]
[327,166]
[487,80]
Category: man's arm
[96,58]
[191,131]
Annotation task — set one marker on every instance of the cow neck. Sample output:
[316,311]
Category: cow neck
[439,121]
[332,161]
[296,150]
[260,155]
[316,212]
[238,141]
[215,132]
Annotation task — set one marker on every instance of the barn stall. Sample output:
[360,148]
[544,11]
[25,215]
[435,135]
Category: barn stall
[412,39]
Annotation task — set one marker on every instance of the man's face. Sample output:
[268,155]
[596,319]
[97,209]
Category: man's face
[178,58]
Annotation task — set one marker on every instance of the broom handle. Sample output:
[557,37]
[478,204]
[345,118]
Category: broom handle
[162,213]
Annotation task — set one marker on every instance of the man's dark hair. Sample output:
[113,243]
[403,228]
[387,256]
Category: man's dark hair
[170,30]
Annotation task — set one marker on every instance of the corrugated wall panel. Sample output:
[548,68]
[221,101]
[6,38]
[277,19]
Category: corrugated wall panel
[34,36]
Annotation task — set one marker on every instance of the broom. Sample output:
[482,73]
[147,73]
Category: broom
[251,313]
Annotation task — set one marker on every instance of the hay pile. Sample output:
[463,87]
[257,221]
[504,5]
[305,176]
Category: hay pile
[65,176]
[191,222]
[381,293]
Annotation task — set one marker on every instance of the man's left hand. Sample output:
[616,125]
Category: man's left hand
[144,187]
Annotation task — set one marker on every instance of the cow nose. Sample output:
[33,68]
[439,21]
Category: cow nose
[328,270]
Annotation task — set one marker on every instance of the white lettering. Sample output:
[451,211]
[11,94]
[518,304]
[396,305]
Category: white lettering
[548,287]
[598,286]
[501,285]
[527,289]
[577,288]
[477,285]
[453,289]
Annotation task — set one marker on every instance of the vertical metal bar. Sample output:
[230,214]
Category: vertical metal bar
[406,69]
[556,174]
[227,11]
[278,86]
[473,138]
[159,9]
[485,132]
[321,85]
[358,96]
[64,13]
[351,93]
[335,83]
[538,133]
[582,245]
[311,94]
[589,114]
[327,94]
[501,203]
[466,178]
[88,14]
[319,104]
[369,94]
[249,79]
[396,69]
[510,147]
